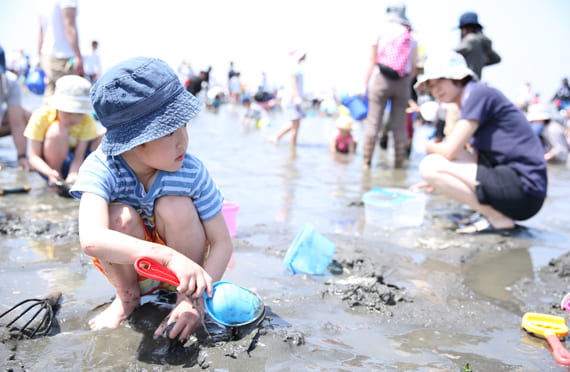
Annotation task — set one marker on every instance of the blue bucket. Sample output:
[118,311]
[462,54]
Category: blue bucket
[310,252]
[356,106]
[232,305]
[35,81]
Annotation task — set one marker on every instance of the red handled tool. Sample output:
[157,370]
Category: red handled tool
[150,268]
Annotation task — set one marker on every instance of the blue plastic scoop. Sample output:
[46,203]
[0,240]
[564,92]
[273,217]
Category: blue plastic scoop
[230,304]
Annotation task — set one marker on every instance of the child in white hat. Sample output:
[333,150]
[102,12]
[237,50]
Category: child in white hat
[63,132]
[342,141]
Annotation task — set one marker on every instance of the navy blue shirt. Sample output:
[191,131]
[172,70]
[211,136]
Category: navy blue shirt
[505,135]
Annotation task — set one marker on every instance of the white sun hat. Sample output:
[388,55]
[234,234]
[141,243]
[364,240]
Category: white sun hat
[538,112]
[72,95]
[344,122]
[448,65]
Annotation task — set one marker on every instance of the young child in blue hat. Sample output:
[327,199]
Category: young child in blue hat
[143,195]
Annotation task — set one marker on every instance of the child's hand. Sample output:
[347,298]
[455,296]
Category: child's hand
[422,185]
[186,318]
[71,177]
[53,176]
[193,278]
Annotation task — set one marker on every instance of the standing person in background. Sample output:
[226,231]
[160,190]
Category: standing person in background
[92,63]
[562,97]
[231,73]
[59,41]
[12,115]
[235,87]
[293,98]
[394,52]
[207,78]
[475,47]
[195,83]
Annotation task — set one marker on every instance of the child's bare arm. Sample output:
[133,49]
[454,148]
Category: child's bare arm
[39,164]
[332,143]
[221,247]
[98,240]
[352,147]
[78,156]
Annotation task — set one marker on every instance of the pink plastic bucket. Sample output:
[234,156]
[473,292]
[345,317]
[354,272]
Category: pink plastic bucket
[229,210]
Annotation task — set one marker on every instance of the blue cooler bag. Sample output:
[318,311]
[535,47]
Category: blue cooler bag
[35,81]
[356,106]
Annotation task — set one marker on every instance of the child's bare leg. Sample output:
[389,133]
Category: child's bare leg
[125,219]
[295,131]
[56,146]
[281,133]
[126,300]
[180,227]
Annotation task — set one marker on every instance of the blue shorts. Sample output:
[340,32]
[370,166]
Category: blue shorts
[67,162]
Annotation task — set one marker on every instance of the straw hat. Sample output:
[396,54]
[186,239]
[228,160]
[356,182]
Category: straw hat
[538,112]
[344,122]
[447,65]
[72,95]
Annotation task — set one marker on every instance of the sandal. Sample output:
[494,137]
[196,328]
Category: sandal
[482,226]
[463,220]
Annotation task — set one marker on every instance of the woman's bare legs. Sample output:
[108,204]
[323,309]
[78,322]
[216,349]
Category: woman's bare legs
[457,179]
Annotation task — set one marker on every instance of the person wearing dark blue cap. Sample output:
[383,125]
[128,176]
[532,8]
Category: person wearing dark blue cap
[13,115]
[475,47]
[143,195]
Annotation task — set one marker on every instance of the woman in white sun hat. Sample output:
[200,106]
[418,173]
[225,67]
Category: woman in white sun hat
[63,132]
[492,161]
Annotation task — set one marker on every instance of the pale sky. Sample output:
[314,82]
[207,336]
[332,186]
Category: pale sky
[531,36]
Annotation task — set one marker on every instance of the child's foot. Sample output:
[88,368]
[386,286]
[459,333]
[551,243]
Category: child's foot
[112,316]
[273,139]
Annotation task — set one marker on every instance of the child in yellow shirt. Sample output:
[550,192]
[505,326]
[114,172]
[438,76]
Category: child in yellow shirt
[63,132]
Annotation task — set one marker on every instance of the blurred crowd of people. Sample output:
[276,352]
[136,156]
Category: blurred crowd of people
[390,106]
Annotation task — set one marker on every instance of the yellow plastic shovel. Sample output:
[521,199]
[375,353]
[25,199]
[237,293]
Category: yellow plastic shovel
[552,328]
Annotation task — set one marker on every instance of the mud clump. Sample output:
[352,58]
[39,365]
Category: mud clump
[559,266]
[364,288]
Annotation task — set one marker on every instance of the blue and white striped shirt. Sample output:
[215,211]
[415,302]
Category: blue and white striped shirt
[113,180]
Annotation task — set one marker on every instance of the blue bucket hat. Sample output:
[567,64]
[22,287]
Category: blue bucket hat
[469,18]
[140,100]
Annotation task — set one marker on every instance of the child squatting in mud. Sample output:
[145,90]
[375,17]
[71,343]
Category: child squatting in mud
[143,195]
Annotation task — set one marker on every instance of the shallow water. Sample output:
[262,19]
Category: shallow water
[457,303]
